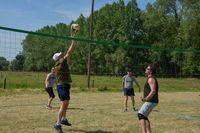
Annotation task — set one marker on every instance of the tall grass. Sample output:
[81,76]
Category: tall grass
[35,80]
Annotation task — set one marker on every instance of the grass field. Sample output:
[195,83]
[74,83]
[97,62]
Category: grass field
[33,80]
[23,111]
[99,110]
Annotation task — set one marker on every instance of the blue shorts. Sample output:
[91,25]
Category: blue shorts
[129,92]
[64,91]
[147,108]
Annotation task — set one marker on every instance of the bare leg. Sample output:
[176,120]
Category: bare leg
[126,101]
[62,111]
[133,101]
[143,125]
[50,101]
[148,127]
[64,115]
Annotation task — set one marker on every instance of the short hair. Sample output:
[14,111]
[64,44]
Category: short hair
[152,69]
[129,70]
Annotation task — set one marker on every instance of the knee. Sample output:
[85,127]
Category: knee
[141,116]
[126,98]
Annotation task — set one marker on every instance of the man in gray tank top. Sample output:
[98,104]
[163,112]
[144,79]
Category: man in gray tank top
[128,88]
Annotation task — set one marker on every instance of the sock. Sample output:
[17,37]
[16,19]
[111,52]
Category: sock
[58,122]
[63,118]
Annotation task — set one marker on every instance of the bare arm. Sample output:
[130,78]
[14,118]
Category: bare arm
[152,85]
[46,80]
[138,85]
[123,79]
[56,81]
[71,48]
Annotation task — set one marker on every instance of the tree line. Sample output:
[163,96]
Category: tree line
[163,24]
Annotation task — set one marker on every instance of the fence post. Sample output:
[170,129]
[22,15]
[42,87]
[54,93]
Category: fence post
[92,83]
[4,83]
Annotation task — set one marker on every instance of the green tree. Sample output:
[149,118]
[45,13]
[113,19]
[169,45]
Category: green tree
[4,63]
[163,24]
[18,62]
[189,36]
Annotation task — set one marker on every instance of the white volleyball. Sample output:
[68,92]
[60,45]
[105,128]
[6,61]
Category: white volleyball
[75,27]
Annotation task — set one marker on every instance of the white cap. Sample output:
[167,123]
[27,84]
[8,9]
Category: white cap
[56,56]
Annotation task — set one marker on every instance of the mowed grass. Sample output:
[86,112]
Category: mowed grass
[35,80]
[92,112]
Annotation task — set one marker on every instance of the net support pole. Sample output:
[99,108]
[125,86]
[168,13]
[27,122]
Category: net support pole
[91,37]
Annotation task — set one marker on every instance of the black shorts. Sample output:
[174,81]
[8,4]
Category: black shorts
[64,91]
[129,92]
[50,92]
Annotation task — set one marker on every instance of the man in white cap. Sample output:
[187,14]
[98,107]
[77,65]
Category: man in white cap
[63,85]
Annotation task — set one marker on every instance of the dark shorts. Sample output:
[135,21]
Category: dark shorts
[50,92]
[64,91]
[129,92]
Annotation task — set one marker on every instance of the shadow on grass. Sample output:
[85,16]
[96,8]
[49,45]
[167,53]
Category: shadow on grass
[24,105]
[35,105]
[75,108]
[84,131]
[72,108]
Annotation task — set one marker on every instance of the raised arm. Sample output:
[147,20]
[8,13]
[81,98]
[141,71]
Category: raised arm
[71,48]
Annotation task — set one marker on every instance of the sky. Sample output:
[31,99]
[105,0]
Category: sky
[32,15]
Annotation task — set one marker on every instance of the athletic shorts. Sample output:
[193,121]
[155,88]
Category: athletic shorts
[129,92]
[64,91]
[147,108]
[50,92]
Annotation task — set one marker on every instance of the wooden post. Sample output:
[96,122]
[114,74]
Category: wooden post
[92,83]
[4,83]
[90,37]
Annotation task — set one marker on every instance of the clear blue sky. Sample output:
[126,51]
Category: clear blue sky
[34,14]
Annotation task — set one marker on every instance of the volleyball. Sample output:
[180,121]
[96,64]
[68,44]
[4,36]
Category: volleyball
[75,27]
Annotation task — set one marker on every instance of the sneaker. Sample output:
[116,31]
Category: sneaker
[126,110]
[48,107]
[134,109]
[58,128]
[66,122]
